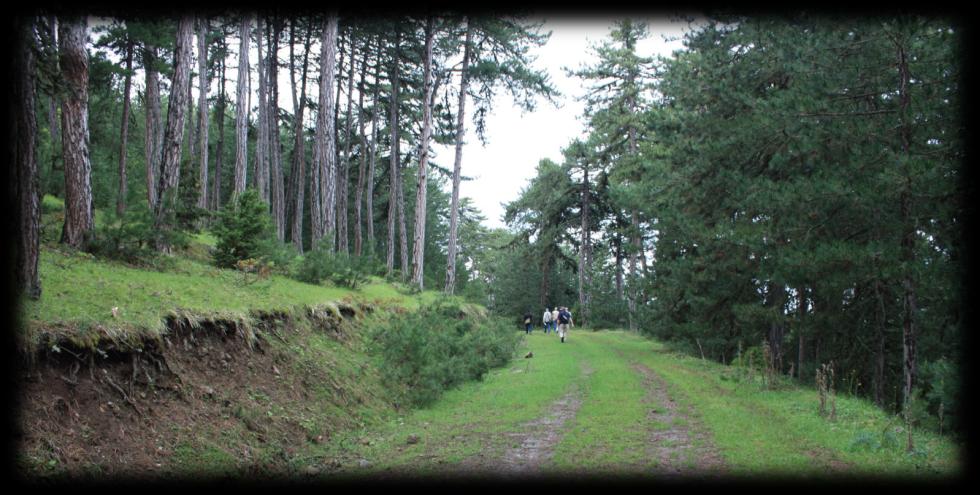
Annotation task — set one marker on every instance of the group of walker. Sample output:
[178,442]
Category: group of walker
[555,319]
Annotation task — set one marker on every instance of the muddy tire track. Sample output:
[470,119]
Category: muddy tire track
[683,447]
[537,439]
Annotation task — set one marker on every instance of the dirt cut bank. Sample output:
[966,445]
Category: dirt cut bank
[209,396]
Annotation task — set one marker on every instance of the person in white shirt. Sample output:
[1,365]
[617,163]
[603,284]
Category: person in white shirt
[554,319]
[546,319]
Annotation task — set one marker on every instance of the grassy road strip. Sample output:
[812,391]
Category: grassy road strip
[748,429]
[780,432]
[466,431]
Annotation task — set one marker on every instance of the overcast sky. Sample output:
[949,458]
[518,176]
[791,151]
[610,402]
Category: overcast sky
[516,141]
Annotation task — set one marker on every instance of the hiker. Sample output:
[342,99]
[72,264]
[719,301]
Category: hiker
[527,322]
[564,319]
[546,319]
[554,319]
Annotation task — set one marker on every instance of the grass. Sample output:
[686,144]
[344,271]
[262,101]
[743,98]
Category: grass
[755,431]
[80,292]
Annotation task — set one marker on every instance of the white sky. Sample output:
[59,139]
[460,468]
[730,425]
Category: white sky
[516,141]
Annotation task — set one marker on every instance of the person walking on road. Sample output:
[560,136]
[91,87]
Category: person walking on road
[554,319]
[527,322]
[546,320]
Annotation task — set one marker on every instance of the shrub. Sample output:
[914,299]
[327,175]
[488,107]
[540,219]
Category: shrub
[439,347]
[322,264]
[940,385]
[243,229]
[131,238]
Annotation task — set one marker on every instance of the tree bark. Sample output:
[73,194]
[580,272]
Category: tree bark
[324,166]
[394,169]
[202,111]
[241,110]
[53,102]
[343,172]
[298,172]
[74,133]
[584,264]
[362,162]
[124,132]
[154,138]
[219,149]
[262,146]
[909,303]
[369,194]
[458,165]
[418,249]
[275,153]
[173,139]
[24,202]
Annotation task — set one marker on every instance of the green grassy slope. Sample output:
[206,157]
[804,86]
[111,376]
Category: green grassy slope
[79,291]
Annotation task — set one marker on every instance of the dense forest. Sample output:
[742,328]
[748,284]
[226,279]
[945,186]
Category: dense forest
[786,187]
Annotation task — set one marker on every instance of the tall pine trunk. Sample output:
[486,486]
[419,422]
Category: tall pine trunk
[362,162]
[584,263]
[418,248]
[173,139]
[275,152]
[202,111]
[124,132]
[153,138]
[262,144]
[369,194]
[298,173]
[909,303]
[394,173]
[241,110]
[74,132]
[219,149]
[24,204]
[458,165]
[324,167]
[343,167]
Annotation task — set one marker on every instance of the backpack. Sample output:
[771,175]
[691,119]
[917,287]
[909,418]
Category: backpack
[563,317]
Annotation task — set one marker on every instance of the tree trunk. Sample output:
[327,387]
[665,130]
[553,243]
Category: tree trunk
[53,103]
[180,94]
[458,165]
[908,236]
[324,167]
[634,275]
[153,140]
[74,133]
[191,134]
[619,267]
[202,112]
[395,173]
[275,153]
[369,194]
[219,149]
[124,132]
[418,249]
[297,173]
[343,172]
[802,306]
[24,203]
[362,161]
[241,110]
[584,261]
[262,145]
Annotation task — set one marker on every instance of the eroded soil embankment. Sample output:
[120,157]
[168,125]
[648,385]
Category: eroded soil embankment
[209,395]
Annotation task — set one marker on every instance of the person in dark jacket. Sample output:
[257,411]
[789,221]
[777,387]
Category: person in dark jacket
[527,322]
